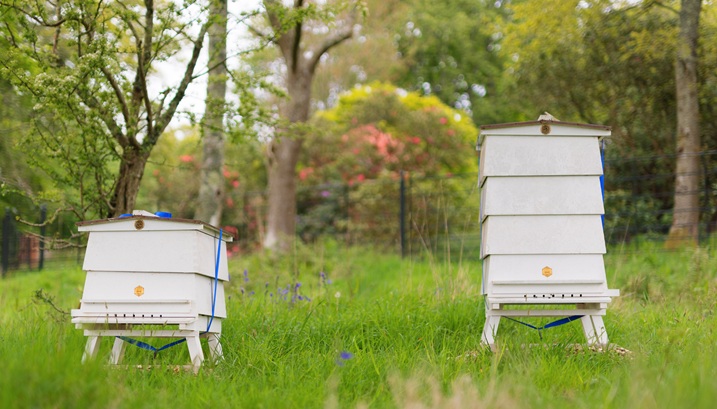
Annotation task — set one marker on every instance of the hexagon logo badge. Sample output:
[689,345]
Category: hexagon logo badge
[547,271]
[139,291]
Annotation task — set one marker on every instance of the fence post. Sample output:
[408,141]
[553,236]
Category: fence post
[402,214]
[347,214]
[43,230]
[6,227]
[707,207]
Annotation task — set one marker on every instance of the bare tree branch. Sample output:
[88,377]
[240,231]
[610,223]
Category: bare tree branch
[118,93]
[337,38]
[285,40]
[664,6]
[297,39]
[166,116]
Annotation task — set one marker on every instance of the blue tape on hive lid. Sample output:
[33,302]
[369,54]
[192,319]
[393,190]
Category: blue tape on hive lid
[125,215]
[166,215]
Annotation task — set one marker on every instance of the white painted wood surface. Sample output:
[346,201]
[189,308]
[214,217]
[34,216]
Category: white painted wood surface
[120,286]
[541,195]
[523,274]
[181,251]
[539,156]
[563,234]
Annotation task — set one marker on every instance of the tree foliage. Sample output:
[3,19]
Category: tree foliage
[379,130]
[96,117]
[451,49]
[375,135]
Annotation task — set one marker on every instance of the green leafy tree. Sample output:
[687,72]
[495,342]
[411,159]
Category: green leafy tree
[95,113]
[378,129]
[451,49]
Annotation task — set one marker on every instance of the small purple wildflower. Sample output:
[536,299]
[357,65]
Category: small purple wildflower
[324,278]
[343,357]
[325,193]
[246,276]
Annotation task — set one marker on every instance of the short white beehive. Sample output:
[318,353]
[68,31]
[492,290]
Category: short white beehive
[542,223]
[150,276]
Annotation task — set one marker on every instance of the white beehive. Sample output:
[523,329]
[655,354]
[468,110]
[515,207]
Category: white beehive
[148,270]
[541,221]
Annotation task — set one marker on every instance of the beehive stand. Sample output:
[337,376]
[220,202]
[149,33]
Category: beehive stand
[541,224]
[153,277]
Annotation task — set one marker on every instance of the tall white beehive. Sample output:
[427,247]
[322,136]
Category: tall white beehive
[541,221]
[147,270]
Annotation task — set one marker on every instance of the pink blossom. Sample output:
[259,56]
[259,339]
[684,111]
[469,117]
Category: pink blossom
[443,120]
[186,158]
[304,173]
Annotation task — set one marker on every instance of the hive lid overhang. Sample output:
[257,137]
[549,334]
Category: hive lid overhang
[538,128]
[92,225]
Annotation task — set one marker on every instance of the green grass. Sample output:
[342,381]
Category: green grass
[413,328]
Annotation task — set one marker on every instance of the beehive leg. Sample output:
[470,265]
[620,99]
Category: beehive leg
[117,351]
[91,348]
[594,329]
[195,351]
[215,347]
[490,329]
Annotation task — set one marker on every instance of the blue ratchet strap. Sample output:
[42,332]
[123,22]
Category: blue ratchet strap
[548,325]
[602,178]
[216,280]
[148,347]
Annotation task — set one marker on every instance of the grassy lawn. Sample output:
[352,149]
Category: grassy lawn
[371,330]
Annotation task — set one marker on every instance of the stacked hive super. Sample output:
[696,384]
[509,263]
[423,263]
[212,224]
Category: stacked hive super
[150,276]
[541,221]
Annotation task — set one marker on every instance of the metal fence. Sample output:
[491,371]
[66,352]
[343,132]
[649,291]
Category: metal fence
[411,215]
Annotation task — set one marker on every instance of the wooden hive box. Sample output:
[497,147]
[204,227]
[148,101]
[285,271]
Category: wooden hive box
[542,223]
[148,270]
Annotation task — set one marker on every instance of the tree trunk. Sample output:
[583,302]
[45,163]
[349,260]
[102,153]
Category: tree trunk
[130,176]
[281,216]
[301,60]
[282,158]
[211,188]
[686,212]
